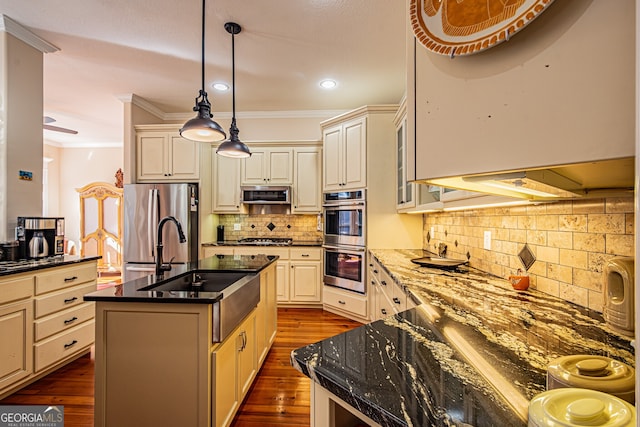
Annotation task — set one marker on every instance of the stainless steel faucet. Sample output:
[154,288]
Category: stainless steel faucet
[161,267]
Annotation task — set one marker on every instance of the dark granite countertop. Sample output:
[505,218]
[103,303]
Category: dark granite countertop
[474,352]
[293,243]
[23,266]
[134,290]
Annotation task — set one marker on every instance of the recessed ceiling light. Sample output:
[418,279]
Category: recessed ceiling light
[220,86]
[328,84]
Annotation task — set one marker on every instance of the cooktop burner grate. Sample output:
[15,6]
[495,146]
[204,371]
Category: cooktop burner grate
[275,241]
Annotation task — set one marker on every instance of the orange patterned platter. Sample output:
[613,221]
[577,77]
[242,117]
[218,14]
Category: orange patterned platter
[464,27]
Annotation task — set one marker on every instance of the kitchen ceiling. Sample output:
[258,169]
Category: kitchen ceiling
[151,48]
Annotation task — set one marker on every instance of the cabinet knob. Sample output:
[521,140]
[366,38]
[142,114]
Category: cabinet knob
[375,271]
[383,282]
[396,300]
[341,302]
[383,311]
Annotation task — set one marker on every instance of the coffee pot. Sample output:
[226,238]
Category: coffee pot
[38,246]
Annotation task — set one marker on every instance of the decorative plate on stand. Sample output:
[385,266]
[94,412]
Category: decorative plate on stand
[464,27]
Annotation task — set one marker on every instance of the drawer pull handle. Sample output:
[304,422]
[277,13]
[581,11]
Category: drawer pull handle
[384,311]
[71,344]
[383,282]
[396,300]
[70,300]
[341,302]
[70,279]
[73,319]
[375,271]
[305,255]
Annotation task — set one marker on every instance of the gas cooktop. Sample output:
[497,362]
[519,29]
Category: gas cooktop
[266,241]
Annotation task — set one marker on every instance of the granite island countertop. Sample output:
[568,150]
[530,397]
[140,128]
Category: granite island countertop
[474,352]
[26,265]
[137,290]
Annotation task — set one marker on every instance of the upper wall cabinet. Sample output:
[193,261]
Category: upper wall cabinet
[557,93]
[225,194]
[345,155]
[163,155]
[307,172]
[268,166]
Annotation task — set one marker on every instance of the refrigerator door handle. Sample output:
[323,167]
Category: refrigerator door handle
[151,221]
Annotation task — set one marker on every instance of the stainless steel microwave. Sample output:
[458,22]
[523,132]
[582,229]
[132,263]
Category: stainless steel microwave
[266,195]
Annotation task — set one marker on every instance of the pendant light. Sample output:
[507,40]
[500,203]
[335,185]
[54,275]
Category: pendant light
[233,147]
[202,128]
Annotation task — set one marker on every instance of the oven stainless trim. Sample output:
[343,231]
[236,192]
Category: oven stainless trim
[340,282]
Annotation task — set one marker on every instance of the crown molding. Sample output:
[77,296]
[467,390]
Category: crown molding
[10,26]
[301,114]
[140,102]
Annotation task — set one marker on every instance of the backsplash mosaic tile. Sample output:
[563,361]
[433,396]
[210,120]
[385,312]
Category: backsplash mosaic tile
[571,240]
[297,227]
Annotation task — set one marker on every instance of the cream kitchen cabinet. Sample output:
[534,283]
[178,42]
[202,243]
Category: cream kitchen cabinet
[345,155]
[268,166]
[166,156]
[235,368]
[410,197]
[307,172]
[64,323]
[44,322]
[388,296]
[226,184]
[552,120]
[16,330]
[298,271]
[346,303]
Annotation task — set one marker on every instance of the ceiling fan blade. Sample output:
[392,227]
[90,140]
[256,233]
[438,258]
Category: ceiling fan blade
[59,129]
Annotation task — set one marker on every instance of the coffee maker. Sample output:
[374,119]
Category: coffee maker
[40,237]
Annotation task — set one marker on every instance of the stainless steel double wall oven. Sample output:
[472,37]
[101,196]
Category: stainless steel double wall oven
[344,227]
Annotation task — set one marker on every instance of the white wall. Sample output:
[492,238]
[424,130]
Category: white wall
[77,167]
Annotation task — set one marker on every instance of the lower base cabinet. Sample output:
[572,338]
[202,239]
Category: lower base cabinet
[44,323]
[329,410]
[299,278]
[235,367]
[346,303]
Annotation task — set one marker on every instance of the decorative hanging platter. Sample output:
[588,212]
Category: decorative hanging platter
[465,27]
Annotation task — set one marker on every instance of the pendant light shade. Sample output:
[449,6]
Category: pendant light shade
[233,147]
[202,128]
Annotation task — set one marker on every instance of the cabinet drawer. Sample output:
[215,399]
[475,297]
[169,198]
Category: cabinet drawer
[56,348]
[283,253]
[60,300]
[306,254]
[63,320]
[16,288]
[344,300]
[64,277]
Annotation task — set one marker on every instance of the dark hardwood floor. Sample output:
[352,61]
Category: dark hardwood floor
[279,395]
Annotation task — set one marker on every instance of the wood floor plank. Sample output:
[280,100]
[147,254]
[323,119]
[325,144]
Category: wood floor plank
[279,396]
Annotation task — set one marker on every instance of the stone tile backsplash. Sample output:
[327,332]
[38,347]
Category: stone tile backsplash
[297,227]
[572,242]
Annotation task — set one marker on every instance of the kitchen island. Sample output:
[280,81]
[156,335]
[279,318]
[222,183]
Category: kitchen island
[164,354]
[473,352]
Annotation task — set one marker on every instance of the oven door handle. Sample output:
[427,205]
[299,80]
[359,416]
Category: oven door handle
[338,206]
[344,248]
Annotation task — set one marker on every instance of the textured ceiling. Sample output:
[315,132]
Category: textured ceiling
[151,48]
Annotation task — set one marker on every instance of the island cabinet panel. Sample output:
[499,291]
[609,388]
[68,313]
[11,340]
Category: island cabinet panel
[266,313]
[152,364]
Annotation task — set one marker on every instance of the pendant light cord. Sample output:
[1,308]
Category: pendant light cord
[203,15]
[233,72]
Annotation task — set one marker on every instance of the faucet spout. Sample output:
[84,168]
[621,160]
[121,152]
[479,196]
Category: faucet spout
[161,267]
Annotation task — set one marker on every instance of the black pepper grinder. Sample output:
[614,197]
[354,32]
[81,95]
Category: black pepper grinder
[221,233]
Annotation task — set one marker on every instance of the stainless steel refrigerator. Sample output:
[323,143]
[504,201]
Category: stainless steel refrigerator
[144,206]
